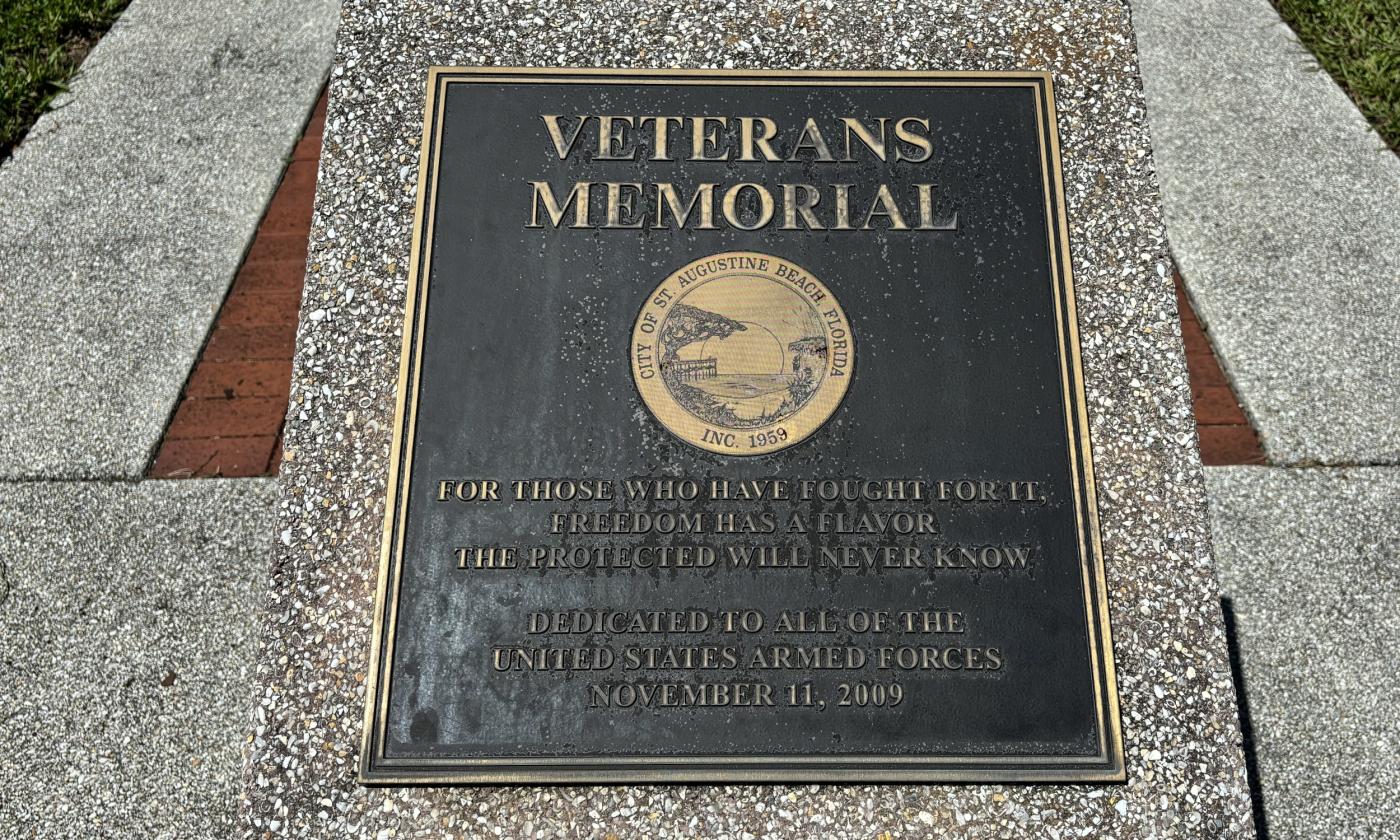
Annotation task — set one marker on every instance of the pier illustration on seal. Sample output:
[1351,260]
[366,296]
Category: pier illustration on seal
[743,352]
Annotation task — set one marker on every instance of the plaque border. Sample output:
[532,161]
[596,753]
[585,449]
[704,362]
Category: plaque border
[1107,765]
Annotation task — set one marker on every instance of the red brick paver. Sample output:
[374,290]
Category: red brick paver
[1226,434]
[229,420]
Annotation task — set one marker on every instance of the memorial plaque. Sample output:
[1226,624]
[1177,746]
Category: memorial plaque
[741,437]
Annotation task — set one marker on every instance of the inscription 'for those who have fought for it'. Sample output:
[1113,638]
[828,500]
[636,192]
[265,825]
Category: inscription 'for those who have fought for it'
[738,490]
[858,538]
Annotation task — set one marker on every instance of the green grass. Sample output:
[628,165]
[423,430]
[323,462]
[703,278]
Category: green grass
[41,43]
[1358,42]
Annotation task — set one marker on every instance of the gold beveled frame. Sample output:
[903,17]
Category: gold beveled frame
[1106,765]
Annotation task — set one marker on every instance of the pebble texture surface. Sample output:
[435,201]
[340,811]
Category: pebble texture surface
[127,210]
[1281,203]
[127,624]
[1186,776]
[1309,559]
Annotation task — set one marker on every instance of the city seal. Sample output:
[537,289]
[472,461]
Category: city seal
[742,353]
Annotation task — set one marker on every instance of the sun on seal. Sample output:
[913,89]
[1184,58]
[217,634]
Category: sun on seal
[742,353]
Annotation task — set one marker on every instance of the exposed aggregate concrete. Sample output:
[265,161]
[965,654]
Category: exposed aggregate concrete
[1282,204]
[126,650]
[1311,562]
[1186,776]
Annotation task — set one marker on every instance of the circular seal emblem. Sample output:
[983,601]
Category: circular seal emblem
[742,353]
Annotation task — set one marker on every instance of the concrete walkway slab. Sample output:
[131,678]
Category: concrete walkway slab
[126,213]
[1311,562]
[1281,210]
[128,635]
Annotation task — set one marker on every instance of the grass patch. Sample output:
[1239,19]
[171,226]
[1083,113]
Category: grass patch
[1358,42]
[41,44]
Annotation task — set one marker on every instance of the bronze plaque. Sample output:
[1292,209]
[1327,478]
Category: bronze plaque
[741,437]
